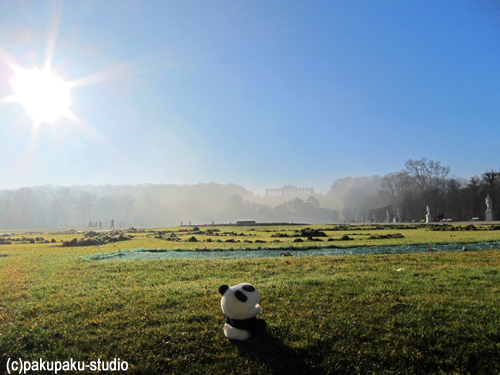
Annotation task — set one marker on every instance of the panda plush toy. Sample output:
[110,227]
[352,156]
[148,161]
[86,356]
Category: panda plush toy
[240,304]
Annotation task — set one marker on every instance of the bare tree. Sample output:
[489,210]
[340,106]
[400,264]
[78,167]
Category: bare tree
[86,202]
[430,176]
[107,205]
[127,203]
[455,206]
[55,211]
[22,208]
[64,198]
[491,179]
[362,197]
[472,192]
[40,209]
[474,183]
[394,186]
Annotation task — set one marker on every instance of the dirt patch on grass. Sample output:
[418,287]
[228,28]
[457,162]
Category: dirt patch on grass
[97,239]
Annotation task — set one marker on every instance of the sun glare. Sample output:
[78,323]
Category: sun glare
[44,95]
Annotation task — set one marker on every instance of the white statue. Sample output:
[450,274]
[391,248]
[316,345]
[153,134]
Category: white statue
[489,208]
[428,217]
[387,216]
[489,203]
[398,217]
[374,218]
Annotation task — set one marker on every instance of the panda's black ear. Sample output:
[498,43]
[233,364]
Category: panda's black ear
[223,288]
[241,296]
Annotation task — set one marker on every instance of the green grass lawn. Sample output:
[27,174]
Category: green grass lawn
[350,314]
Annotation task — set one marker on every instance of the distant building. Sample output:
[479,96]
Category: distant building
[289,190]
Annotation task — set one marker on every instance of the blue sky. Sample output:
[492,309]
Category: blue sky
[258,93]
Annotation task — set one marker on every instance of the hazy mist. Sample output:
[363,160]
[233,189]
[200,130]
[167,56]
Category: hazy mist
[354,199]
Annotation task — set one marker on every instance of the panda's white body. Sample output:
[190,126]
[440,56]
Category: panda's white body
[240,304]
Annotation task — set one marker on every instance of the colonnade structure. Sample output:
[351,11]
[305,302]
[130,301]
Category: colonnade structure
[289,190]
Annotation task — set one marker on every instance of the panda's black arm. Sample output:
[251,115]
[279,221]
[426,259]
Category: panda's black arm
[252,325]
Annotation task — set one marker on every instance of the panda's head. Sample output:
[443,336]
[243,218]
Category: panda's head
[240,301]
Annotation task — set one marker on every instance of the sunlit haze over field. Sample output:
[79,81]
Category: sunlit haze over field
[259,93]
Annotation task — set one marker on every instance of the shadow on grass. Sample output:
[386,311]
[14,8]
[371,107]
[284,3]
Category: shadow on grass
[271,351]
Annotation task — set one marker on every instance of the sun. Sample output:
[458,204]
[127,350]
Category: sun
[44,95]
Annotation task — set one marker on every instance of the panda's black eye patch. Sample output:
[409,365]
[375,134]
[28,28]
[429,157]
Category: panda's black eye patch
[241,296]
[248,288]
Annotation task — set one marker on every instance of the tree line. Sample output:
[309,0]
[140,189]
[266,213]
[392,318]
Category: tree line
[47,207]
[293,210]
[424,183]
[147,205]
[421,183]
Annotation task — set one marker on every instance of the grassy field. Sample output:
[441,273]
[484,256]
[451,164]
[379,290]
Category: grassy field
[350,314]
